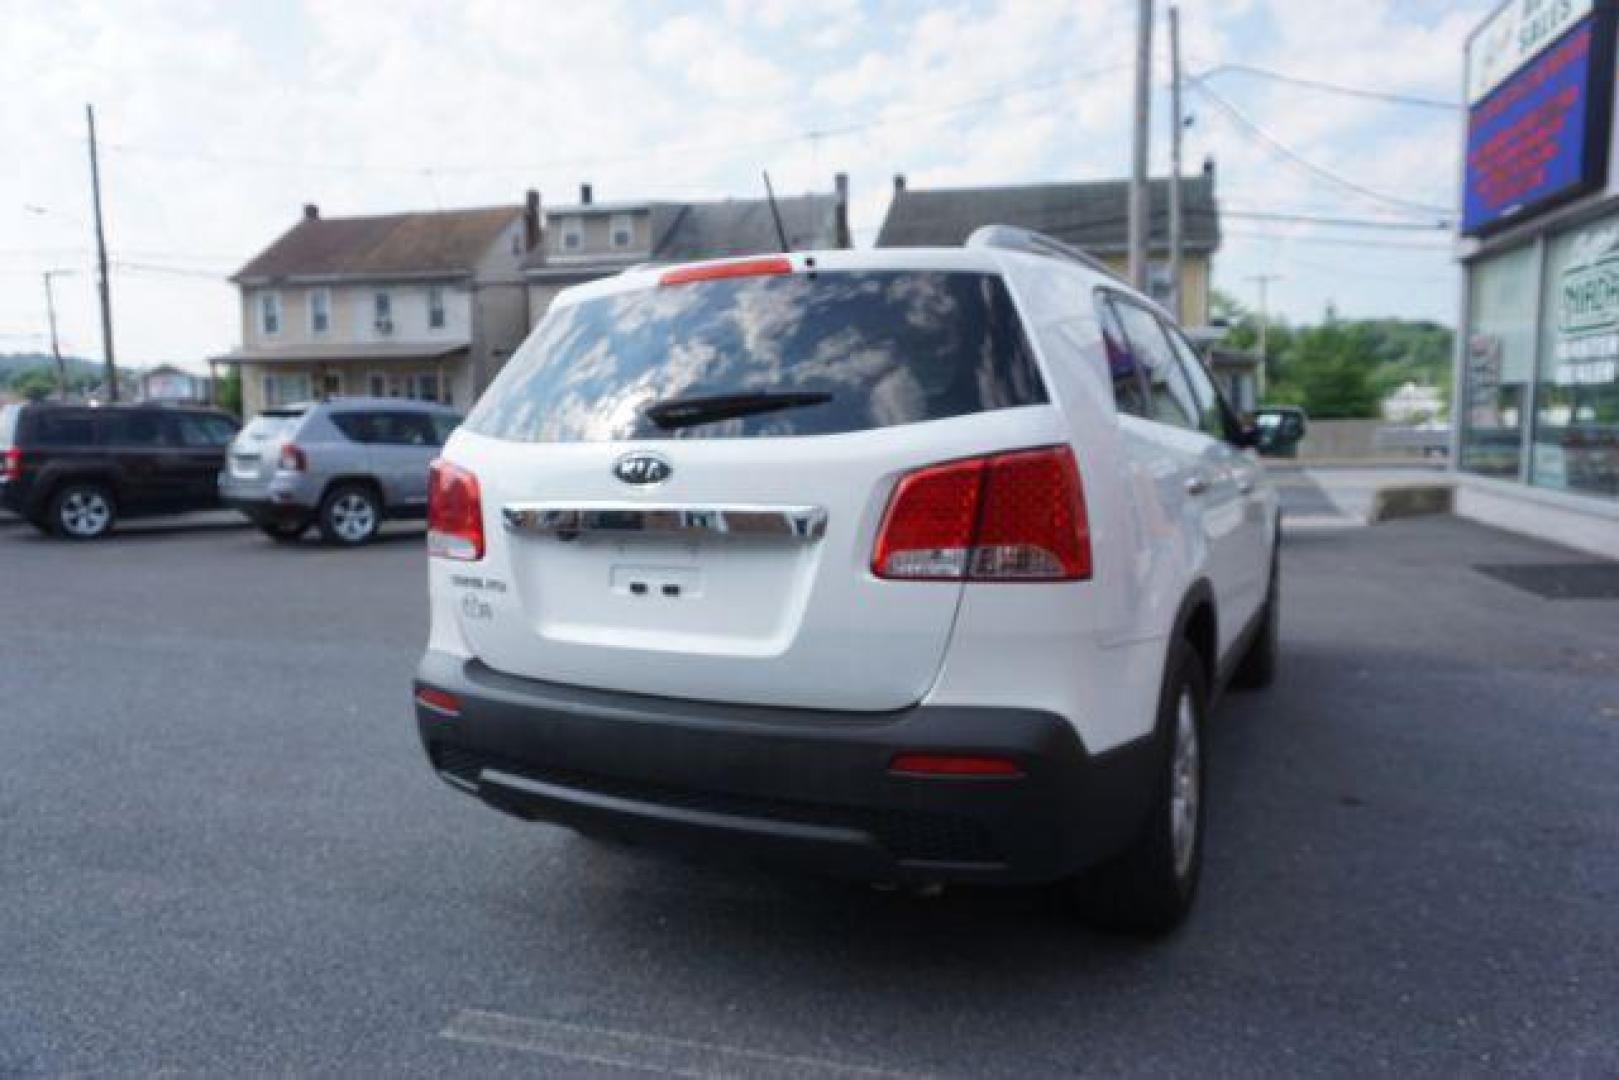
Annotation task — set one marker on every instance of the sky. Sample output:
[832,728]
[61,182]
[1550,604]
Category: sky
[218,121]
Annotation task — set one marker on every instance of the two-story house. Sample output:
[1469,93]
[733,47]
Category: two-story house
[419,305]
[591,239]
[1093,216]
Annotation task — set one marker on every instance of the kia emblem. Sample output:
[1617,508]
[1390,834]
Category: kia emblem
[643,469]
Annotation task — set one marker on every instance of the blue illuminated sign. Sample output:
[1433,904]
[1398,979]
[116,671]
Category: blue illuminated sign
[1541,135]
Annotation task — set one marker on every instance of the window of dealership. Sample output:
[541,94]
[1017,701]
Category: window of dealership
[1541,363]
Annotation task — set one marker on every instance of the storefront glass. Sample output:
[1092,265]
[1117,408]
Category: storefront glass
[1576,433]
[1500,362]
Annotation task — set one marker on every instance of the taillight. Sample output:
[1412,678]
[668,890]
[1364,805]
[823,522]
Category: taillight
[735,268]
[454,513]
[1006,517]
[293,459]
[11,464]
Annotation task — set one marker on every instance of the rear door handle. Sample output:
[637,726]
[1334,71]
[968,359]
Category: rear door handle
[1196,485]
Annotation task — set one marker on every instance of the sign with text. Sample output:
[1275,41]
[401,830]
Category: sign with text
[1517,33]
[1541,135]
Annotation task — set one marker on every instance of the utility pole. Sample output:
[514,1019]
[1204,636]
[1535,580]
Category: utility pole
[1264,281]
[1176,125]
[1138,164]
[101,263]
[56,347]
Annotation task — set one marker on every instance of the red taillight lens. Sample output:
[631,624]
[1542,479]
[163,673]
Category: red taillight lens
[11,464]
[927,533]
[959,765]
[682,275]
[293,459]
[440,701]
[1033,525]
[1007,517]
[454,513]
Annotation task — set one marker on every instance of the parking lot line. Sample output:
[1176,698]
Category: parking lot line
[640,1052]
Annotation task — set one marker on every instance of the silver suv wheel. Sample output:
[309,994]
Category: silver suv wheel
[350,515]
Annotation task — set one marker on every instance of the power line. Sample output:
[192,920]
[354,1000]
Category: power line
[1339,241]
[1330,87]
[1298,160]
[730,150]
[1335,222]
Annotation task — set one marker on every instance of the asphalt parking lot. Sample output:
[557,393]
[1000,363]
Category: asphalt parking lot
[223,852]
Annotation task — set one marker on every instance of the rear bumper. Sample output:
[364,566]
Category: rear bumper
[789,785]
[265,511]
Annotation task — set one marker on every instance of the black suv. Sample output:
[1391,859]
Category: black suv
[73,469]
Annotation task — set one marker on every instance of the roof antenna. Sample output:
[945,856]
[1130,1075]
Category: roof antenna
[775,212]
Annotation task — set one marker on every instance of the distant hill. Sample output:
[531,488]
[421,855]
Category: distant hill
[79,370]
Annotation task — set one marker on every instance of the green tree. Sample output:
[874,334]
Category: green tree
[228,391]
[1330,369]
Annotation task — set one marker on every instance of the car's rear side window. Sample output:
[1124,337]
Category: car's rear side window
[839,351]
[355,426]
[66,427]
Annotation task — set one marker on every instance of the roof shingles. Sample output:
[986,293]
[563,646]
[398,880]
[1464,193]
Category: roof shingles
[1093,216]
[444,242]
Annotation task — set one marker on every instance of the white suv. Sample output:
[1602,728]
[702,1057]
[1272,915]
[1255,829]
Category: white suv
[918,565]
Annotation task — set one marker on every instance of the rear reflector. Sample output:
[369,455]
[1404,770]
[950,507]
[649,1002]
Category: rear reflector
[440,701]
[964,765]
[682,275]
[1007,517]
[454,513]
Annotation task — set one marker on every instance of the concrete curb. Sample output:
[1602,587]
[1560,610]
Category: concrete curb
[1411,500]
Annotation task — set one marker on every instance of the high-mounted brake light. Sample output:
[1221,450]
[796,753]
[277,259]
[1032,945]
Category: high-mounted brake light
[454,513]
[292,459]
[717,271]
[11,464]
[965,766]
[1004,518]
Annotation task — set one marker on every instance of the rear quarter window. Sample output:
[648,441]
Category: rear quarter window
[884,348]
[8,423]
[64,428]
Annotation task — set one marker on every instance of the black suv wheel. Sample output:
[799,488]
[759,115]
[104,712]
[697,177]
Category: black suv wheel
[82,511]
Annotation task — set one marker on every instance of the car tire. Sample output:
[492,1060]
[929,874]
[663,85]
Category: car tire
[1148,889]
[1258,667]
[82,511]
[350,515]
[285,532]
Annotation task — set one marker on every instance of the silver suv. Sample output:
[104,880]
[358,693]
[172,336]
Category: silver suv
[345,465]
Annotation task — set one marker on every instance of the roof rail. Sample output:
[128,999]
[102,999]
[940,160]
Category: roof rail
[1012,238]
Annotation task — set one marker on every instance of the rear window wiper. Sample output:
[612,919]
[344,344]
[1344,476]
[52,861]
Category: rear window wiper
[694,411]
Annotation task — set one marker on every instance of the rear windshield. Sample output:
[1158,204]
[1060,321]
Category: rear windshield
[268,426]
[804,354]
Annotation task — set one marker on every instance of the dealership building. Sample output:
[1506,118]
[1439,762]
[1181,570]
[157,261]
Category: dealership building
[1537,379]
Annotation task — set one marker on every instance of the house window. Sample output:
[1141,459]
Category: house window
[331,384]
[435,307]
[1160,282]
[426,388]
[270,312]
[383,304]
[573,234]
[320,311]
[284,389]
[622,230]
[378,386]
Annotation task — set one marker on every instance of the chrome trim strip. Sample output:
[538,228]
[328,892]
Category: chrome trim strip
[568,520]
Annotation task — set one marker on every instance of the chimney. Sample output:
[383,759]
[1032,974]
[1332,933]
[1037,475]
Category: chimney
[531,220]
[899,182]
[840,184]
[311,212]
[584,194]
